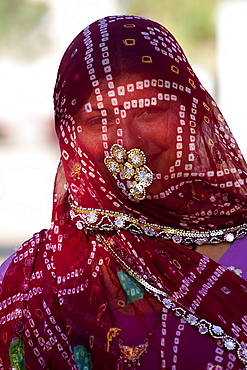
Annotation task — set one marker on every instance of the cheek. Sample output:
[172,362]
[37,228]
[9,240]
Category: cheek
[90,144]
[96,149]
[163,133]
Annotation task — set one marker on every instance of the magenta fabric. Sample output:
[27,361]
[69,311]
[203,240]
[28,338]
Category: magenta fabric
[236,256]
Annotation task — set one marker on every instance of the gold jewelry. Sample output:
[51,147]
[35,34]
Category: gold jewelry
[130,166]
[105,220]
[132,355]
[204,326]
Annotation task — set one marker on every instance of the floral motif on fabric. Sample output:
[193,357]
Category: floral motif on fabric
[82,358]
[17,355]
[133,291]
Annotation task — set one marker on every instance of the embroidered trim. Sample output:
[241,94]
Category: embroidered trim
[203,326]
[105,220]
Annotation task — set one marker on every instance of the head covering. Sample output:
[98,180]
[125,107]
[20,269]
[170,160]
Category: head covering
[118,64]
[148,163]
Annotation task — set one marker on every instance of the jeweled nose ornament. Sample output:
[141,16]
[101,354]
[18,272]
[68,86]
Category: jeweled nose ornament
[130,166]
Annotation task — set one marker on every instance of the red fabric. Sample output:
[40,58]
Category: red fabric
[65,285]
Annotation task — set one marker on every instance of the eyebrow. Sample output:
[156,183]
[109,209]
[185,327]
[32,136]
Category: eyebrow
[96,109]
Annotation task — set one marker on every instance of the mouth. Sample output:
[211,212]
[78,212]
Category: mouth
[153,161]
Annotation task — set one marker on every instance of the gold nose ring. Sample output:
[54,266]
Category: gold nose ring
[129,165]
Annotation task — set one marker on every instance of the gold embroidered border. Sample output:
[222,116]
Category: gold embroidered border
[106,220]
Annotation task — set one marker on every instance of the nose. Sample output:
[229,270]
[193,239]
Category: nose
[129,134]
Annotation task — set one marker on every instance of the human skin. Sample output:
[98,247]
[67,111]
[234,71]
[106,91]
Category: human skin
[152,129]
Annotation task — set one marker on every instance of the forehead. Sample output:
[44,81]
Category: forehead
[130,83]
[130,86]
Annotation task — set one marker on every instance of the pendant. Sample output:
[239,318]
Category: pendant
[132,355]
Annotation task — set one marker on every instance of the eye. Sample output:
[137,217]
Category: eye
[97,121]
[150,113]
[93,121]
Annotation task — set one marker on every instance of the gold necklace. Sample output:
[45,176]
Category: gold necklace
[105,220]
[132,355]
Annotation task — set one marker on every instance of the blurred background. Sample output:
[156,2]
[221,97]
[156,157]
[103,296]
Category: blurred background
[33,37]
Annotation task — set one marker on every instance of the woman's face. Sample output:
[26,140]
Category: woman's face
[133,116]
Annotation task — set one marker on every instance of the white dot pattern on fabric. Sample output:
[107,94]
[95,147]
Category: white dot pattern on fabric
[114,270]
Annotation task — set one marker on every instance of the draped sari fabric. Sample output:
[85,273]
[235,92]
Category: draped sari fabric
[67,300]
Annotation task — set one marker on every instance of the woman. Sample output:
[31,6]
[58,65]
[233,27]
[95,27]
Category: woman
[149,205]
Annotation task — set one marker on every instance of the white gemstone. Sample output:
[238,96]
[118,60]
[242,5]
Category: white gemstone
[122,186]
[192,320]
[121,175]
[119,222]
[112,166]
[229,237]
[177,239]
[144,176]
[203,329]
[149,231]
[167,303]
[79,225]
[128,170]
[136,159]
[218,330]
[92,218]
[138,188]
[119,154]
[230,344]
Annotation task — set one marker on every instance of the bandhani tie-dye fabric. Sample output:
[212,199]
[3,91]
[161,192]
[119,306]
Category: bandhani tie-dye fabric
[144,151]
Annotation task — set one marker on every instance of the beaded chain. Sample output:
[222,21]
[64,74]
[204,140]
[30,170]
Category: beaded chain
[203,326]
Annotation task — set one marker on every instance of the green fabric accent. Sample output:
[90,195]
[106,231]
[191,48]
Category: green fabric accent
[133,290]
[82,358]
[17,355]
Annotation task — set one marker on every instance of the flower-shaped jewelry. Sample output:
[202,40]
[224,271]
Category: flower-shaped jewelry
[130,166]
